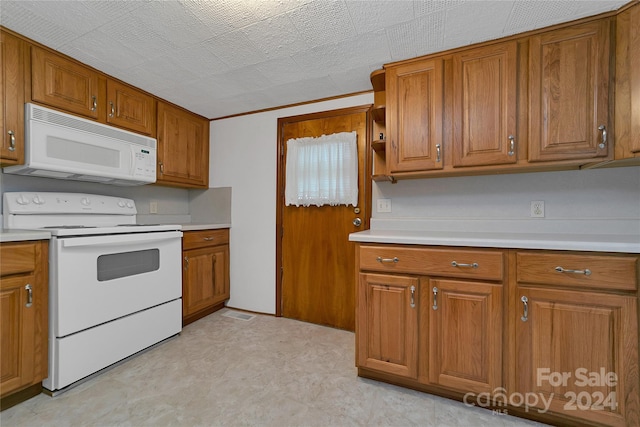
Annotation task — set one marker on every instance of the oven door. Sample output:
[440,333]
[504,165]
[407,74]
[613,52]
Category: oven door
[96,279]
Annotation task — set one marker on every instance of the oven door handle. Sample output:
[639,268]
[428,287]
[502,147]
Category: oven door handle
[120,239]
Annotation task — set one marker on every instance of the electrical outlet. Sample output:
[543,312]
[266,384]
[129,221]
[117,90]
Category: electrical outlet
[537,209]
[384,205]
[153,207]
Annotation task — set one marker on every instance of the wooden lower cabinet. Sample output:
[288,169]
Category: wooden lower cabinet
[555,329]
[387,324]
[575,351]
[23,320]
[205,278]
[465,334]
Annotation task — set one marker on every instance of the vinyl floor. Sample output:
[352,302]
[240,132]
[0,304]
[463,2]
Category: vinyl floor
[267,371]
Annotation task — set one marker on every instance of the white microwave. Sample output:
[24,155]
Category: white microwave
[59,145]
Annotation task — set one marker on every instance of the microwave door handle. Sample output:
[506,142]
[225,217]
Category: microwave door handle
[133,161]
[120,239]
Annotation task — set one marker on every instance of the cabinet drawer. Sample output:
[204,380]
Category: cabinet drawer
[585,271]
[200,239]
[481,264]
[17,258]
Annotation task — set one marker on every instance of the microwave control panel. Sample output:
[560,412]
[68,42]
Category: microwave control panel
[144,162]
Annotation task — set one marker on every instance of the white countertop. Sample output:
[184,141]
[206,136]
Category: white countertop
[23,235]
[574,242]
[196,226]
[621,236]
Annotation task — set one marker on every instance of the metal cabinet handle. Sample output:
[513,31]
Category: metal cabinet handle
[435,298]
[12,140]
[512,145]
[603,130]
[381,260]
[525,313]
[438,153]
[457,264]
[29,295]
[94,104]
[413,297]
[186,263]
[586,271]
[161,167]
[208,239]
[113,109]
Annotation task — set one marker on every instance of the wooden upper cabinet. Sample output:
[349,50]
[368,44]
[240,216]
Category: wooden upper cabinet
[414,95]
[484,105]
[569,93]
[183,147]
[65,84]
[130,108]
[627,99]
[12,100]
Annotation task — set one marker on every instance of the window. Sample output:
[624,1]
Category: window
[322,171]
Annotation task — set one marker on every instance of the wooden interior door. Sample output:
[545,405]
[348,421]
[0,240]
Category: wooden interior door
[317,281]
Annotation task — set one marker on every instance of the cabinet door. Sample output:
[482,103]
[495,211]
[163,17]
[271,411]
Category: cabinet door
[414,94]
[465,334]
[569,93]
[387,328]
[18,329]
[484,105]
[206,278]
[130,108]
[580,351]
[183,147]
[627,83]
[12,100]
[67,85]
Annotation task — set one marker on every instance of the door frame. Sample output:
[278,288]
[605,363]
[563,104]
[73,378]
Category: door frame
[365,210]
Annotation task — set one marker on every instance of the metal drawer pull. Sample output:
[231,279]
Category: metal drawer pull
[208,239]
[12,140]
[525,314]
[94,105]
[113,109]
[603,129]
[438,153]
[512,145]
[457,264]
[413,297]
[586,271]
[381,260]
[29,295]
[435,298]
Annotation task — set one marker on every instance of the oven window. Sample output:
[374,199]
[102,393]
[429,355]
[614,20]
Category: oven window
[124,264]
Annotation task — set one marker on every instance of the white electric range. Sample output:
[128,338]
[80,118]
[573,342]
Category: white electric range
[115,286]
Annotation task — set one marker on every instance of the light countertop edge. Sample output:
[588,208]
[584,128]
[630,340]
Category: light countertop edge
[16,235]
[548,241]
[198,226]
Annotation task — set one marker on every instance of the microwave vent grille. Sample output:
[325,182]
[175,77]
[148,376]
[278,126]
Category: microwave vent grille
[65,120]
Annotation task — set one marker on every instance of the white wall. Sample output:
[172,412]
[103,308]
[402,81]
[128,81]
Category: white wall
[243,156]
[612,193]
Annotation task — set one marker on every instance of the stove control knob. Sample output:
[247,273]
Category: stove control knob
[129,205]
[21,200]
[38,200]
[85,201]
[121,203]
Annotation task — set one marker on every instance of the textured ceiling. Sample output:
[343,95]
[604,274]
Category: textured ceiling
[224,57]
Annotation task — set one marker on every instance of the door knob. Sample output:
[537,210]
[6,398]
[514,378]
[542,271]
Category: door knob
[357,222]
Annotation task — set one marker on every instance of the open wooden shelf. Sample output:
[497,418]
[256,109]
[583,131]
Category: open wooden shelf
[379,146]
[379,113]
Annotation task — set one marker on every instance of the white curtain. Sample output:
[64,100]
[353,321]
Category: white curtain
[322,171]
